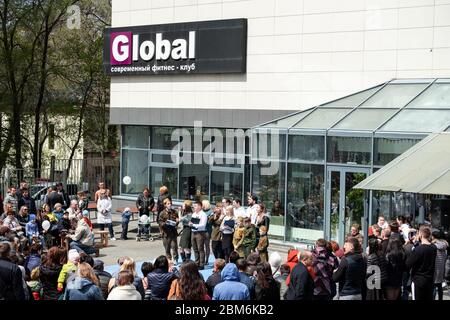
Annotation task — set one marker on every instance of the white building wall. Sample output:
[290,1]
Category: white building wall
[300,52]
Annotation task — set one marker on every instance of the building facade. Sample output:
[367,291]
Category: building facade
[299,54]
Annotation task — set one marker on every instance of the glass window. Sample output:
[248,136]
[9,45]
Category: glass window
[194,181]
[289,121]
[165,158]
[225,184]
[322,118]
[268,186]
[354,100]
[365,119]
[387,149]
[435,97]
[418,121]
[305,205]
[269,144]
[135,166]
[230,141]
[394,95]
[162,138]
[135,137]
[306,148]
[195,140]
[351,150]
[164,177]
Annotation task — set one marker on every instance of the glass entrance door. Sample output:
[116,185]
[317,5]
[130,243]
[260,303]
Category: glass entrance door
[345,204]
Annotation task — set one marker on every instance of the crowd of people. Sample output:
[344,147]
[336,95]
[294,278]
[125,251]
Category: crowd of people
[47,255]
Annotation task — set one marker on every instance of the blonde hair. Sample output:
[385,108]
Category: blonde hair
[206,205]
[86,271]
[163,189]
[129,265]
[166,201]
[34,276]
[230,209]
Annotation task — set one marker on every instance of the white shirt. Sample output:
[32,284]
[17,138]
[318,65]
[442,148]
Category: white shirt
[224,228]
[203,220]
[404,230]
[252,212]
[240,212]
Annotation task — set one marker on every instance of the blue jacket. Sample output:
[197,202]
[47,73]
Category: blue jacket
[82,289]
[231,288]
[249,282]
[31,229]
[126,216]
[160,282]
[33,261]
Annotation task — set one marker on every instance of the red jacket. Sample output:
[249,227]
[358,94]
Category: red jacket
[292,261]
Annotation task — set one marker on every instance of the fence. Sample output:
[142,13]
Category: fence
[84,174]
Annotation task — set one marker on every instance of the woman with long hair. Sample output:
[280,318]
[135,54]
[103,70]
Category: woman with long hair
[396,257]
[227,230]
[190,285]
[49,273]
[266,287]
[129,265]
[85,286]
[185,238]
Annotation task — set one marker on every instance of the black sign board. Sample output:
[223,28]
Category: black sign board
[182,48]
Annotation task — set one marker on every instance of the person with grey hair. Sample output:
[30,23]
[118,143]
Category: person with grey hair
[73,210]
[301,286]
[351,273]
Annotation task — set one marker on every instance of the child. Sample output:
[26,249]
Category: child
[126,214]
[32,229]
[238,237]
[249,237]
[88,221]
[34,284]
[263,244]
[68,269]
[58,212]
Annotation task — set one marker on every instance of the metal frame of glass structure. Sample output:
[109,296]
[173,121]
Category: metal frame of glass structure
[394,115]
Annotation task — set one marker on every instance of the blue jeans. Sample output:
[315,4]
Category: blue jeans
[125,229]
[82,247]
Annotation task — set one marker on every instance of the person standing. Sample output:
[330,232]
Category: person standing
[168,221]
[422,263]
[11,199]
[376,261]
[209,212]
[216,237]
[227,228]
[163,195]
[65,196]
[126,215]
[101,189]
[54,197]
[248,243]
[266,287]
[323,265]
[252,209]
[441,258]
[198,225]
[351,273]
[301,286]
[395,258]
[104,214]
[239,211]
[11,286]
[26,200]
[185,238]
[145,203]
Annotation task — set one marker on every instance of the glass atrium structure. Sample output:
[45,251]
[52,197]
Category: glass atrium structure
[314,158]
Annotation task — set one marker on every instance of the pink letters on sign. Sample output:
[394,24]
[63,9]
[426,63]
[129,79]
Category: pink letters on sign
[120,45]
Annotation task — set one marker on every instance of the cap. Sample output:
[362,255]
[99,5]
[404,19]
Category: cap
[85,213]
[73,255]
[127,209]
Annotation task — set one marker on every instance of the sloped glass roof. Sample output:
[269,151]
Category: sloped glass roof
[397,106]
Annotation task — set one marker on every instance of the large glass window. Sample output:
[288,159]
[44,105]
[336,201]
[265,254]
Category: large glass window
[414,120]
[268,185]
[387,149]
[349,150]
[435,97]
[395,95]
[226,184]
[164,177]
[306,148]
[135,137]
[322,118]
[135,166]
[162,138]
[194,181]
[354,100]
[269,144]
[365,119]
[305,205]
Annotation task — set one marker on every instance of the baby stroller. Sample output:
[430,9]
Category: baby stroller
[144,224]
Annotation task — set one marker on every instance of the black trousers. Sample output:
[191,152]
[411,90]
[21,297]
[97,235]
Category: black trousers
[124,230]
[217,249]
[423,292]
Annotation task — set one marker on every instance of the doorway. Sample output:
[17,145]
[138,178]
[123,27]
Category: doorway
[345,205]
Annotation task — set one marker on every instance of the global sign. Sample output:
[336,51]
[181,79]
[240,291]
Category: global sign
[183,48]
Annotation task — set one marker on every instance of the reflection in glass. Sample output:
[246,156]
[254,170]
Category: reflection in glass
[305,209]
[269,188]
[387,149]
[162,138]
[164,177]
[352,150]
[394,95]
[194,181]
[354,201]
[134,165]
[414,120]
[135,137]
[306,148]
[335,184]
[226,184]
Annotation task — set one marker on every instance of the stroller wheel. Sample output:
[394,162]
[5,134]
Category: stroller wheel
[151,239]
[138,239]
